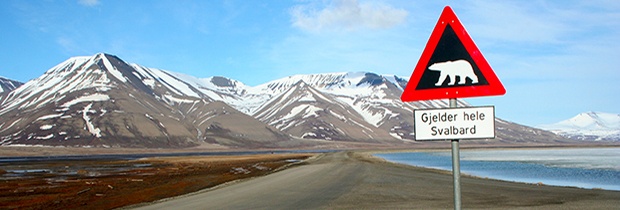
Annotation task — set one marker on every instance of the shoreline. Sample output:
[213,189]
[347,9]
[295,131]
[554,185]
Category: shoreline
[40,150]
[372,154]
[337,180]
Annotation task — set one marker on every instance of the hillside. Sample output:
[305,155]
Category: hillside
[102,101]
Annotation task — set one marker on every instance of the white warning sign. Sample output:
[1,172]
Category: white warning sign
[454,123]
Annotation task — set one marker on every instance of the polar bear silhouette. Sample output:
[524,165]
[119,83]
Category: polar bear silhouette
[460,68]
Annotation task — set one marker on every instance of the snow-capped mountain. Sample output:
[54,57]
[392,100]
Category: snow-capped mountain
[102,101]
[7,85]
[592,126]
[375,98]
[368,104]
[306,112]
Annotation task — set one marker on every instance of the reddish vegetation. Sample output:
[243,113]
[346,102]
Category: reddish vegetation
[156,178]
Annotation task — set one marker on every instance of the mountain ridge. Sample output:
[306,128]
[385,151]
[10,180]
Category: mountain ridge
[103,101]
[589,126]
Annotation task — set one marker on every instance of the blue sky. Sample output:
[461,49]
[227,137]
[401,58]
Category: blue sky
[555,58]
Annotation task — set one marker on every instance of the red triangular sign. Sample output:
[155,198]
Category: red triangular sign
[451,66]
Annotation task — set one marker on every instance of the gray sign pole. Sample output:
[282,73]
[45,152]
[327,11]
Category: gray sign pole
[456,166]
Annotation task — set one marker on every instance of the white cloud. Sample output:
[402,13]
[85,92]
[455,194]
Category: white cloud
[89,3]
[346,15]
[71,46]
[66,44]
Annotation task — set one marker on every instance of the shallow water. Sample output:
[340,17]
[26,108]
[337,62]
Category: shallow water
[577,167]
[61,167]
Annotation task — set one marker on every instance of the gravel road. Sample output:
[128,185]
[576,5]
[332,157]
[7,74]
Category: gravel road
[349,180]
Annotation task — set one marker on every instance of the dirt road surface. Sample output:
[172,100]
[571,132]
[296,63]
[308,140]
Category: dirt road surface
[348,180]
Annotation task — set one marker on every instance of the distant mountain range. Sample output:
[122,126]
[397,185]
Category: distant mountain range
[102,101]
[589,126]
[7,85]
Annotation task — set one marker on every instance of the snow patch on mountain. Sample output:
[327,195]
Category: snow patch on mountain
[596,126]
[88,98]
[112,69]
[89,124]
[168,79]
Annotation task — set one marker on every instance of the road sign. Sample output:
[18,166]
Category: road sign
[451,66]
[454,123]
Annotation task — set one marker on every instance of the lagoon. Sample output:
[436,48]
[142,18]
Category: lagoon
[591,168]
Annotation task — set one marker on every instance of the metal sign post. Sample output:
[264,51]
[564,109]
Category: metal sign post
[454,124]
[451,66]
[456,166]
